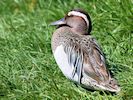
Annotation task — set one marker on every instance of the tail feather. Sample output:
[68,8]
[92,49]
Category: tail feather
[112,86]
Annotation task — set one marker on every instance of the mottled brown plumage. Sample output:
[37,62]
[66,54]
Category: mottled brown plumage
[78,55]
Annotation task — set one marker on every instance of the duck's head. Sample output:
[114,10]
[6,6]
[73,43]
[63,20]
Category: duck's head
[78,20]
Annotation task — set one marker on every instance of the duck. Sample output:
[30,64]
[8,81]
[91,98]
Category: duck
[78,54]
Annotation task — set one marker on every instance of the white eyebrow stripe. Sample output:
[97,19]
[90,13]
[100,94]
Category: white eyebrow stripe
[75,13]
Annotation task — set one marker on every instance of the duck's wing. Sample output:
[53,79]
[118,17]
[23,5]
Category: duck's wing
[86,57]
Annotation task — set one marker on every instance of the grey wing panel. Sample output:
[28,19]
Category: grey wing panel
[75,59]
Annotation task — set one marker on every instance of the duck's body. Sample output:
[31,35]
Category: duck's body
[79,56]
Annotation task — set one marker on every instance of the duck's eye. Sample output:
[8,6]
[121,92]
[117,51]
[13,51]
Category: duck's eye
[70,15]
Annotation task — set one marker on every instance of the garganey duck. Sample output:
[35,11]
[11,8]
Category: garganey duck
[78,54]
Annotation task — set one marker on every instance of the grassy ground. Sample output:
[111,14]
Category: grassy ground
[27,68]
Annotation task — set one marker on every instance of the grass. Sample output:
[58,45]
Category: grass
[27,68]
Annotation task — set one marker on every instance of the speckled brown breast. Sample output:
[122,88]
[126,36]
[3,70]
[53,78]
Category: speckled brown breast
[65,36]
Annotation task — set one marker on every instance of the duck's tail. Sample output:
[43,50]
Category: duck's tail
[111,86]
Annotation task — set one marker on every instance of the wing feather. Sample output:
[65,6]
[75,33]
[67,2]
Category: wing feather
[75,59]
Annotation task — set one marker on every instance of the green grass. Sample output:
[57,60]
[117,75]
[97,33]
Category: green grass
[27,68]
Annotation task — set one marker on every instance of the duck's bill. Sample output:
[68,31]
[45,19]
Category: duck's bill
[59,22]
